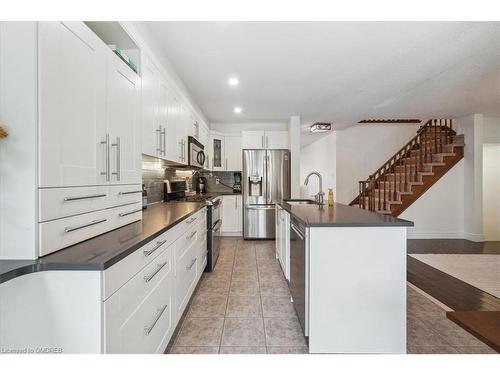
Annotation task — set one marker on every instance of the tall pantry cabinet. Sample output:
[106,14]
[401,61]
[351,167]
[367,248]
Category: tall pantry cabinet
[86,134]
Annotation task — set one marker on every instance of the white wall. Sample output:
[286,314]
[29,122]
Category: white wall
[237,128]
[439,212]
[319,156]
[491,191]
[362,149]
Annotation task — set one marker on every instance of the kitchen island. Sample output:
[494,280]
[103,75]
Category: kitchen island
[347,277]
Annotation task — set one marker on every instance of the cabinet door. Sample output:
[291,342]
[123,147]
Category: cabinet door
[218,156]
[276,140]
[232,152]
[229,214]
[150,109]
[252,140]
[72,76]
[171,143]
[122,101]
[239,213]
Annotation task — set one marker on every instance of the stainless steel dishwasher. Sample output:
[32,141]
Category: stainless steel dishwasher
[298,274]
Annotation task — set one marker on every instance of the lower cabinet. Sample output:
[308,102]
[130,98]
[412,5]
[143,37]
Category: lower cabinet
[141,312]
[232,212]
[283,240]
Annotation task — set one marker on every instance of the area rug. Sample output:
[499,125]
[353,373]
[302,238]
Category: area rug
[479,270]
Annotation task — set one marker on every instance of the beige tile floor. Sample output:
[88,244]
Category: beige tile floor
[244,307]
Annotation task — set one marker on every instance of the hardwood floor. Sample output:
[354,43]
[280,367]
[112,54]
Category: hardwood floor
[465,299]
[485,325]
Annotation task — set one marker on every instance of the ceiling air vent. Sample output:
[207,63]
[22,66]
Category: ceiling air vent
[391,121]
[321,127]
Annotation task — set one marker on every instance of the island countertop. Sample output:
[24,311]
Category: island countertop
[101,252]
[340,215]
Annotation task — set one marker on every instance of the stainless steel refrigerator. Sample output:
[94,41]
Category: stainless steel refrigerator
[266,180]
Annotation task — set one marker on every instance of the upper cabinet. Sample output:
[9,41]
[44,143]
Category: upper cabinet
[233,153]
[216,152]
[265,139]
[72,82]
[151,113]
[122,127]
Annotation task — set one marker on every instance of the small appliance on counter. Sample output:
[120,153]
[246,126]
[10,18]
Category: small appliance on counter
[201,185]
[174,189]
[237,182]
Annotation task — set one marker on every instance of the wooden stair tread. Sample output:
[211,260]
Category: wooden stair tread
[485,325]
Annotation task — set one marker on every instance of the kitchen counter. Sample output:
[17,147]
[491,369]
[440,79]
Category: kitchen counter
[101,252]
[341,215]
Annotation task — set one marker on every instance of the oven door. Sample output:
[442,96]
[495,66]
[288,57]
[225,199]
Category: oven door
[216,207]
[213,245]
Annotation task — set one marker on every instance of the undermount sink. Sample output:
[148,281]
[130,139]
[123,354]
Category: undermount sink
[300,202]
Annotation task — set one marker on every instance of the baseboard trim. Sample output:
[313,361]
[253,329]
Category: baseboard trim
[474,237]
[231,234]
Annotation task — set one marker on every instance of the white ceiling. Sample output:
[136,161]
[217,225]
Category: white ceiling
[336,71]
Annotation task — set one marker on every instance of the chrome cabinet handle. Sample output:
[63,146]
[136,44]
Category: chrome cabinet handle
[297,231]
[189,221]
[157,246]
[164,132]
[118,158]
[190,235]
[148,278]
[129,192]
[191,265]
[72,229]
[162,136]
[158,133]
[70,199]
[106,161]
[180,150]
[122,214]
[267,141]
[226,164]
[148,329]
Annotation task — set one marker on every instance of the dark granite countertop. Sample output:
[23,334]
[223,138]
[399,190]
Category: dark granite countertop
[101,252]
[341,215]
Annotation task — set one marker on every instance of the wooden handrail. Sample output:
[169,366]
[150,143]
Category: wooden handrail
[379,190]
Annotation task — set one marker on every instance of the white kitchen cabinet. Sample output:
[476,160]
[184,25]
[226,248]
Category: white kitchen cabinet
[122,127]
[276,139]
[283,240]
[265,139]
[217,149]
[232,153]
[151,103]
[72,79]
[232,215]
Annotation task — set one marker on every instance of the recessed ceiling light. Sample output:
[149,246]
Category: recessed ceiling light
[237,110]
[321,127]
[233,81]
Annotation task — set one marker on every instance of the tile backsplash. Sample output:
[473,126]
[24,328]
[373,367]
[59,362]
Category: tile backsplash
[155,171]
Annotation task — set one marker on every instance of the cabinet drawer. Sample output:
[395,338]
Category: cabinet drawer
[124,194]
[187,240]
[149,327]
[56,203]
[137,289]
[192,221]
[121,272]
[185,276]
[57,234]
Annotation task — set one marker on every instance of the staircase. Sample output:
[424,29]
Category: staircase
[412,170]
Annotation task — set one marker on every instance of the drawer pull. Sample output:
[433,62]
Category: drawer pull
[157,246]
[71,229]
[129,192]
[191,235]
[71,199]
[148,278]
[161,310]
[191,220]
[191,265]
[129,213]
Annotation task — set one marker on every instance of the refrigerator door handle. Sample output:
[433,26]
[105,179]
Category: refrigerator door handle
[261,207]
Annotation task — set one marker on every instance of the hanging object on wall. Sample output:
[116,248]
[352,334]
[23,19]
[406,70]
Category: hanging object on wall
[3,133]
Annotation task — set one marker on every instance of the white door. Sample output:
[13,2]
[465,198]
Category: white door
[218,152]
[72,76]
[232,151]
[150,109]
[172,149]
[122,102]
[229,214]
[276,139]
[252,140]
